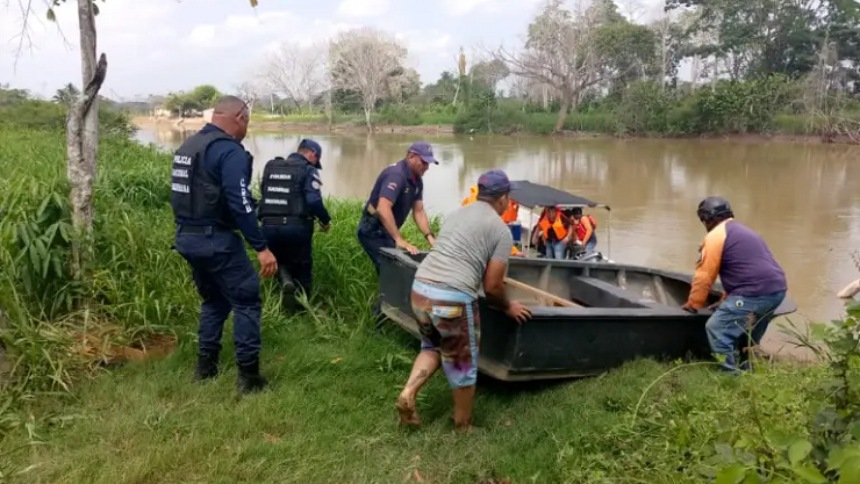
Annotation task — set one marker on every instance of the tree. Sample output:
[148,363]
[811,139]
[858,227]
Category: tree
[762,37]
[204,97]
[82,128]
[572,52]
[67,94]
[404,86]
[364,60]
[489,73]
[299,73]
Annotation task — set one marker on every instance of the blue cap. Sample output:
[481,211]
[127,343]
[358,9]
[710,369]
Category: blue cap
[424,151]
[494,182]
[312,145]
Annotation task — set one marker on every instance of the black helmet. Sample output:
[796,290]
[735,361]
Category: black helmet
[713,208]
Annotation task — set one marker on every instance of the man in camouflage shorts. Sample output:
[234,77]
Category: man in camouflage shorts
[470,255]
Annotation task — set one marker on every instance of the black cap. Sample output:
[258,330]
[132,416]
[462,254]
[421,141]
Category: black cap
[312,145]
[713,208]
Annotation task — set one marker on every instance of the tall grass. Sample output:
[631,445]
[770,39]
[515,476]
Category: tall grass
[329,414]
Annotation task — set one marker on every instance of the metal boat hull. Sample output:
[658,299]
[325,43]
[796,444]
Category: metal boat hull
[627,312]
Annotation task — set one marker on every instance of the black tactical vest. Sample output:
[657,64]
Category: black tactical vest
[196,194]
[283,188]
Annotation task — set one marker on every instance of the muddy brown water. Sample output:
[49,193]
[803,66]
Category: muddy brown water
[803,198]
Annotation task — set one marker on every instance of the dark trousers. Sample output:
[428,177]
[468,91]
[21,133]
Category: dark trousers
[373,237]
[226,280]
[292,246]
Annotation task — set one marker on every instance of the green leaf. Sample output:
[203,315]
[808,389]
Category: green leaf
[809,474]
[52,17]
[798,451]
[752,477]
[731,475]
[849,471]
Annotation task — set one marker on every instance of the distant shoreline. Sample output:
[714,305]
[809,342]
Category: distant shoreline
[145,122]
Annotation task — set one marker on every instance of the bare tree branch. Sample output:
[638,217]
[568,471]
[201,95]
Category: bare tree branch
[365,60]
[27,14]
[299,73]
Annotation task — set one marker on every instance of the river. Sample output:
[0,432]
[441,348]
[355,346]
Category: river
[803,198]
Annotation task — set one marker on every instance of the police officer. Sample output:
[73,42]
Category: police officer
[291,199]
[211,198]
[398,190]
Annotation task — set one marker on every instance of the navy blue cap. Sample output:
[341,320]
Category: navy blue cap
[494,182]
[424,151]
[312,145]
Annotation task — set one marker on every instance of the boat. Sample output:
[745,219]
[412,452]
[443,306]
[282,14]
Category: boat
[535,197]
[587,317]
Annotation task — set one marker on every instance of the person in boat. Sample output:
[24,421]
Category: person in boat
[554,230]
[398,190]
[584,228]
[754,283]
[509,217]
[470,257]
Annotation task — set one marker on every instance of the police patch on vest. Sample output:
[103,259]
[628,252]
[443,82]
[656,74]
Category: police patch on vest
[180,173]
[182,160]
[278,189]
[280,176]
[178,187]
[315,184]
[276,201]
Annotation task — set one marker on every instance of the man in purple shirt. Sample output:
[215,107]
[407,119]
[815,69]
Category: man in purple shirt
[753,281]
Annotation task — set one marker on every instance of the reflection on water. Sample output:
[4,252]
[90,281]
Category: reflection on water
[804,199]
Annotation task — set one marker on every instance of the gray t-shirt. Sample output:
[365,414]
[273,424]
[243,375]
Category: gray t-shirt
[470,237]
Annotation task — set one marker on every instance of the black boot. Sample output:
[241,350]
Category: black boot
[288,289]
[250,380]
[207,366]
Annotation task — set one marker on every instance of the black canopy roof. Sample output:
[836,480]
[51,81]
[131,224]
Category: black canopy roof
[532,195]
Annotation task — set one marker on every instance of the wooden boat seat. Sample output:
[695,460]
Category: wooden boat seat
[600,294]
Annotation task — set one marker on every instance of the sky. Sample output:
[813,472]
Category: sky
[158,46]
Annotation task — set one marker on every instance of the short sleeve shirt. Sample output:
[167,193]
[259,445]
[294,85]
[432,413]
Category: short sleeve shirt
[470,238]
[396,183]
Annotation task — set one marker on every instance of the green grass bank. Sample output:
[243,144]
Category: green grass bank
[329,416]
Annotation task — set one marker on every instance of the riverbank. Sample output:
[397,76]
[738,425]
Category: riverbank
[312,125]
[329,416]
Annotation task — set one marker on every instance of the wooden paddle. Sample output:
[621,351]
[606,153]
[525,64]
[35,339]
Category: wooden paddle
[552,299]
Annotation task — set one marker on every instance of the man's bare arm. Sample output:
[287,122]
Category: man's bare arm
[421,220]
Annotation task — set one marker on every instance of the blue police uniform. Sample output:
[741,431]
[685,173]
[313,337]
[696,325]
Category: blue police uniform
[211,198]
[291,200]
[397,184]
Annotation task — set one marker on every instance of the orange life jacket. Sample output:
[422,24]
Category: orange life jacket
[473,195]
[557,227]
[510,215]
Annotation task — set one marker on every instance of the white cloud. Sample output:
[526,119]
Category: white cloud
[457,8]
[363,8]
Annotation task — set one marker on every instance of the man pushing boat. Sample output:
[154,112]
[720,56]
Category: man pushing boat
[754,283]
[470,254]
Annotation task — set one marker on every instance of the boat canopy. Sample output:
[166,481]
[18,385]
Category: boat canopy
[533,195]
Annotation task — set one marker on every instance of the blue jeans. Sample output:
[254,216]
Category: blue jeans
[738,320]
[292,246]
[226,280]
[555,250]
[591,244]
